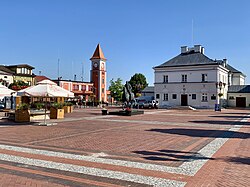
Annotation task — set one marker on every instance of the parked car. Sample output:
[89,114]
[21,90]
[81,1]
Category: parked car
[143,103]
[2,106]
[151,104]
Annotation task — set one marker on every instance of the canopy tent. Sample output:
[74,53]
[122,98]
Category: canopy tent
[4,91]
[45,89]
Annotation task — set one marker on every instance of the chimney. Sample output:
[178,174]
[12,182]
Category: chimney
[224,63]
[197,48]
[184,49]
[202,50]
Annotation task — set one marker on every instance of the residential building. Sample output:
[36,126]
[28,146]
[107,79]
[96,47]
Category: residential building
[81,89]
[192,78]
[239,96]
[22,72]
[148,91]
[6,76]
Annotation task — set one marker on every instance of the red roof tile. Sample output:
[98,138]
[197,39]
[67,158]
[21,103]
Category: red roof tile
[98,54]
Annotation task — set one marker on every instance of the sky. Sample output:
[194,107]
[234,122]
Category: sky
[135,35]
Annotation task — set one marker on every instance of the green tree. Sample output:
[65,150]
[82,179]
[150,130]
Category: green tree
[116,89]
[138,82]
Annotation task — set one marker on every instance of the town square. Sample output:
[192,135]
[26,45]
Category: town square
[124,93]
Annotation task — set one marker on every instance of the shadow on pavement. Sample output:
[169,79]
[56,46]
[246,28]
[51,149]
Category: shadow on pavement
[238,160]
[213,122]
[171,155]
[204,133]
[233,117]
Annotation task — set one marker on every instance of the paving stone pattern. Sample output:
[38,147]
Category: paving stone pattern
[159,148]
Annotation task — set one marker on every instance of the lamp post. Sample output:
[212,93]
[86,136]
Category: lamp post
[219,85]
[93,98]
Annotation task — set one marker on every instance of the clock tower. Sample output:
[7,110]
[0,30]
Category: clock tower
[98,74]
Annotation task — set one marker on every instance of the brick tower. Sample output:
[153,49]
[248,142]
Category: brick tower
[98,74]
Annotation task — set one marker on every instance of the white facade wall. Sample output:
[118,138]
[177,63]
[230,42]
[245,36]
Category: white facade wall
[232,99]
[6,77]
[194,85]
[238,79]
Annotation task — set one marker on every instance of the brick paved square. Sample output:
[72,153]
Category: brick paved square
[161,137]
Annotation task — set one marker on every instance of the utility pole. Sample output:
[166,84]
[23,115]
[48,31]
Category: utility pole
[58,61]
[82,71]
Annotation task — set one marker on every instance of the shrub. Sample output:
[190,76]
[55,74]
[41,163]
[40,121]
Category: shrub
[57,105]
[24,106]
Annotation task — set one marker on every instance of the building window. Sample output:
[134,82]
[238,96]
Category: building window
[157,96]
[165,97]
[204,77]
[23,70]
[204,97]
[174,96]
[83,87]
[165,78]
[183,78]
[102,81]
[102,90]
[194,96]
[231,97]
[75,87]
[213,97]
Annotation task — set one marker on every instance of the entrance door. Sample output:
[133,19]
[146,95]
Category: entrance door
[184,100]
[240,102]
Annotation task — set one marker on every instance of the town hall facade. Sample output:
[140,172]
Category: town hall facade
[193,79]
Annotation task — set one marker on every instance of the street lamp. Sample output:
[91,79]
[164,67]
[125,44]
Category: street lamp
[219,85]
[93,90]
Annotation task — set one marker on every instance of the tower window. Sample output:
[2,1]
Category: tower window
[102,90]
[102,81]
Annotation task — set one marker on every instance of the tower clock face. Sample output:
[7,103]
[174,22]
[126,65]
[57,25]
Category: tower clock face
[95,65]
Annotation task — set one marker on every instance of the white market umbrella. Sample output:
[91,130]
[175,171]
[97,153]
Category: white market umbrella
[46,88]
[4,91]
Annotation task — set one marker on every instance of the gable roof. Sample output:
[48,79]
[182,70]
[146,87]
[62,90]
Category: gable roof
[39,78]
[20,66]
[193,58]
[233,70]
[239,89]
[4,69]
[98,54]
[185,59]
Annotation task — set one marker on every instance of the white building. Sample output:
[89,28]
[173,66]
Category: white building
[191,78]
[6,76]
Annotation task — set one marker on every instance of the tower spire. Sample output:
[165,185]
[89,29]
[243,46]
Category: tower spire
[98,54]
